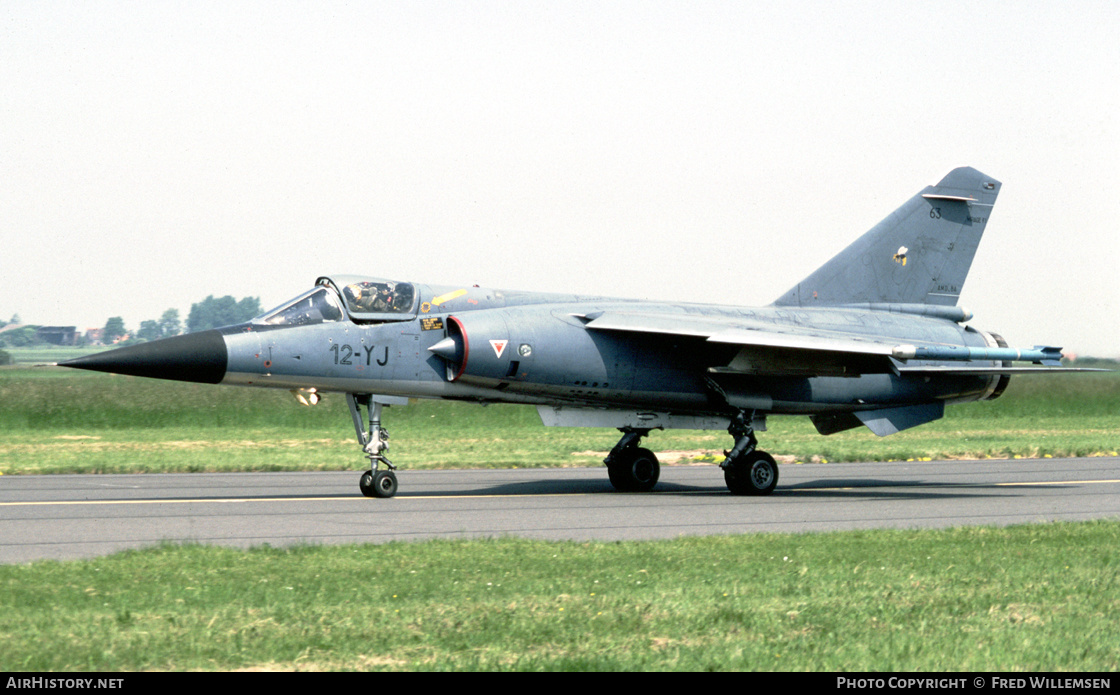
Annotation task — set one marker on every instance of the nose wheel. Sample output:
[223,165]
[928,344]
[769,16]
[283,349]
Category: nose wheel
[377,481]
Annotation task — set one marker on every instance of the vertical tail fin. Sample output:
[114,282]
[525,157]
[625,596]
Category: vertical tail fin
[920,254]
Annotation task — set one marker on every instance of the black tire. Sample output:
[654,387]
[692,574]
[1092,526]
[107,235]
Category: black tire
[634,470]
[616,471]
[755,474]
[384,484]
[365,484]
[381,484]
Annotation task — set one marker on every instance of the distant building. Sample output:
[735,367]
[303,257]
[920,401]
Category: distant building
[94,335]
[57,335]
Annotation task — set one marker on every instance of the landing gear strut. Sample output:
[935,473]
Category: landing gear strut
[630,467]
[374,482]
[747,470]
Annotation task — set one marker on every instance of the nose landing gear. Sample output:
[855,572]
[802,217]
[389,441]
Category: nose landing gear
[375,441]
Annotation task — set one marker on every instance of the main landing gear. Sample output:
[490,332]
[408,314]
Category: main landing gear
[746,469]
[375,482]
[631,468]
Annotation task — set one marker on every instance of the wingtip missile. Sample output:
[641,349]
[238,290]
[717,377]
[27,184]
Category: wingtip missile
[1039,354]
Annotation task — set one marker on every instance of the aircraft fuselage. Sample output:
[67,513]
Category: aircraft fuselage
[536,349]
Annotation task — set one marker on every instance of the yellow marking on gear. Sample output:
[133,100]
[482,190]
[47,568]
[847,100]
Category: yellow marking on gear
[447,297]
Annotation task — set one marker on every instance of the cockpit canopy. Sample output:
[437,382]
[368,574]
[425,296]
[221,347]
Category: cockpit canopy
[362,299]
[315,306]
[378,297]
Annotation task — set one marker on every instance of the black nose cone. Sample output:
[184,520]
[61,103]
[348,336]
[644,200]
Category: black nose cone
[200,357]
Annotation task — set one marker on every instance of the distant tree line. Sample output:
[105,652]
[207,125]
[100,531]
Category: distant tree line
[212,312]
[223,311]
[167,326]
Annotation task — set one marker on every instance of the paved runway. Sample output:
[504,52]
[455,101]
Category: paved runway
[74,516]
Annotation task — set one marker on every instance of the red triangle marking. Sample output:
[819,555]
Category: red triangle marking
[499,347]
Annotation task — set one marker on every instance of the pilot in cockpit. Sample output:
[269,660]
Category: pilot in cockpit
[360,296]
[378,297]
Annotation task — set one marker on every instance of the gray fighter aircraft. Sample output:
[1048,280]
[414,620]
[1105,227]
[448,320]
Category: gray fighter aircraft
[874,337]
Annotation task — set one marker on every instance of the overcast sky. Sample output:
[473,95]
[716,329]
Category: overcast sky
[154,153]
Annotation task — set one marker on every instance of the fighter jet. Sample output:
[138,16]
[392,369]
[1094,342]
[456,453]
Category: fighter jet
[873,338]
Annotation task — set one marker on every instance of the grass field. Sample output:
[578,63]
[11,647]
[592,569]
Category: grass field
[56,420]
[1027,598]
[43,354]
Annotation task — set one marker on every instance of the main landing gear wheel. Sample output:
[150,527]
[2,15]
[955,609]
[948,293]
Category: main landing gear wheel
[634,470]
[381,484]
[755,473]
